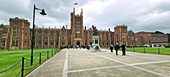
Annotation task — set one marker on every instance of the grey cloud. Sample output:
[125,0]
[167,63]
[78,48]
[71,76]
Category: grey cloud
[138,15]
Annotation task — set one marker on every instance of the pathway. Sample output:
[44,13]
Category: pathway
[86,63]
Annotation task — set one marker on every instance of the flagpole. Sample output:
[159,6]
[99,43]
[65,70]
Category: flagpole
[77,9]
[77,6]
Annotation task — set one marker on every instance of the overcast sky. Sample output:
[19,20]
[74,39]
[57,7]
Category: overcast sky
[138,15]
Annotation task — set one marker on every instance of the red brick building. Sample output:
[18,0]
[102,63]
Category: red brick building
[149,38]
[131,38]
[121,35]
[142,38]
[3,36]
[17,35]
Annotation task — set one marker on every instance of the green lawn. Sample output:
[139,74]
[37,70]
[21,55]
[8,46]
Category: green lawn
[26,49]
[7,60]
[164,51]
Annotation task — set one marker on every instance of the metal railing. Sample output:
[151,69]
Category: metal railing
[146,50]
[28,67]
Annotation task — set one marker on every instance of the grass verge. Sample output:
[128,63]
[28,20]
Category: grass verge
[26,49]
[164,51]
[7,60]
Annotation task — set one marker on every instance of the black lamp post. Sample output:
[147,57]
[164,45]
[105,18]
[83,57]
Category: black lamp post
[33,36]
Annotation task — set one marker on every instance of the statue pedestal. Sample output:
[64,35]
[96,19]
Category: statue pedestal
[95,44]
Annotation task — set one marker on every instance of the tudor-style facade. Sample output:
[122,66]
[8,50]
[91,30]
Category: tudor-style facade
[17,35]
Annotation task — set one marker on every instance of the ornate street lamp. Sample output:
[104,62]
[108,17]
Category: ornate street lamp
[33,37]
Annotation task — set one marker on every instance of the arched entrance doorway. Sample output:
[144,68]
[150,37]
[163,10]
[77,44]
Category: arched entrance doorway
[78,43]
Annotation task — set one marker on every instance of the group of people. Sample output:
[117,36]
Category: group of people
[117,47]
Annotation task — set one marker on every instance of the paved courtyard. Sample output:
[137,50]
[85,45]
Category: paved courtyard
[86,63]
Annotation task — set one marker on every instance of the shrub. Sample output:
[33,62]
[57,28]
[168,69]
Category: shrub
[167,46]
[61,47]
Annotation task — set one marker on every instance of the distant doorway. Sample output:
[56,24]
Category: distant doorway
[78,43]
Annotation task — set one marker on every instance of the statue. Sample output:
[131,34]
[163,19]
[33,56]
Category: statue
[94,30]
[95,38]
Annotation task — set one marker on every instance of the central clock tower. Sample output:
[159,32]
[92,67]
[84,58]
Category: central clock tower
[77,28]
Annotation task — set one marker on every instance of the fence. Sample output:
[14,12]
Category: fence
[146,50]
[26,68]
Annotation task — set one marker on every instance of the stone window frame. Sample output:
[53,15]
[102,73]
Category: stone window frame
[63,43]
[40,35]
[57,35]
[85,43]
[78,21]
[16,43]
[107,43]
[112,42]
[45,43]
[52,35]
[69,36]
[25,43]
[3,43]
[45,35]
[26,35]
[39,43]
[69,43]
[103,36]
[78,28]
[63,35]
[78,35]
[123,30]
[90,36]
[16,24]
[56,43]
[84,36]
[15,34]
[103,43]
[117,37]
[52,43]
[107,36]
[4,34]
[13,43]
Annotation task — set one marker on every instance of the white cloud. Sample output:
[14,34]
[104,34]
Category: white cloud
[146,15]
[47,21]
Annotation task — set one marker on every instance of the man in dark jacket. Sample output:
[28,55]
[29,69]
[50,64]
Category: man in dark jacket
[123,49]
[111,48]
[117,47]
[88,47]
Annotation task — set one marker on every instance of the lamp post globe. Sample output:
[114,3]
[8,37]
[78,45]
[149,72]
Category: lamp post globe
[43,12]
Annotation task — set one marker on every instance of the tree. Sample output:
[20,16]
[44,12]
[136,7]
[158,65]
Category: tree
[158,32]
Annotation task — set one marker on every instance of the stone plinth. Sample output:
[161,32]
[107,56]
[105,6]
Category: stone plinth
[95,42]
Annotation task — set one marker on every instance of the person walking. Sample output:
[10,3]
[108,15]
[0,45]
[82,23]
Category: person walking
[111,48]
[123,49]
[88,47]
[117,47]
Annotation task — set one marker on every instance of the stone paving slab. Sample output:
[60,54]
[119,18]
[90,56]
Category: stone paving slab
[51,68]
[163,68]
[114,72]
[130,59]
[86,63]
[83,60]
